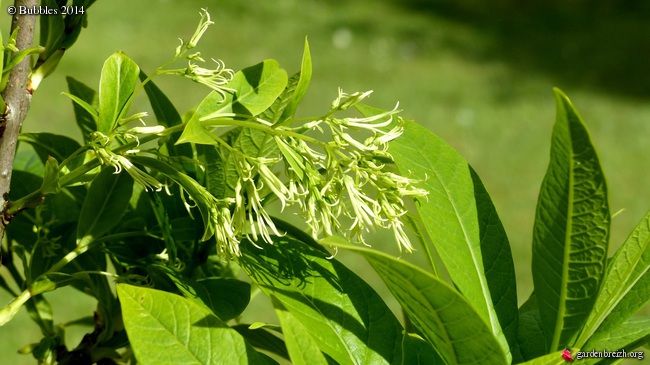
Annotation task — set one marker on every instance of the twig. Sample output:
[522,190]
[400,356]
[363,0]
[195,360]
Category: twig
[17,101]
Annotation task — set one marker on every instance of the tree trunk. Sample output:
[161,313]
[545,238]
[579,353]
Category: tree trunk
[17,101]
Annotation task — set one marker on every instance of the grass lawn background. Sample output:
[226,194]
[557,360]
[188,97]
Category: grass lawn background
[480,82]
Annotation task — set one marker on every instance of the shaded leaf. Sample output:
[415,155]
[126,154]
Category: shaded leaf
[262,338]
[106,201]
[86,119]
[48,144]
[345,316]
[226,298]
[530,337]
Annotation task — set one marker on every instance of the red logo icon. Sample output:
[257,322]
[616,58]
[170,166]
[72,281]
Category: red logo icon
[566,355]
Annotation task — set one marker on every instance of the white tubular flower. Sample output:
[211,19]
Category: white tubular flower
[225,234]
[362,206]
[345,100]
[204,23]
[141,177]
[212,78]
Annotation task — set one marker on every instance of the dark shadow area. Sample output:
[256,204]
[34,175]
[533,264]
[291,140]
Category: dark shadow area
[601,44]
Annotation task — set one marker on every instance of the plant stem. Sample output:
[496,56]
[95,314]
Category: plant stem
[17,101]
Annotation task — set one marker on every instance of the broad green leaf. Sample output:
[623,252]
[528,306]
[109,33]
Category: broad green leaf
[301,87]
[86,117]
[48,144]
[554,358]
[628,336]
[443,316]
[345,316]
[226,298]
[205,202]
[571,230]
[256,88]
[303,348]
[626,287]
[165,328]
[118,81]
[106,201]
[274,113]
[530,337]
[417,351]
[463,225]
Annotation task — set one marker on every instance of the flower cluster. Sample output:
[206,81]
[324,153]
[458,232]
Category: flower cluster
[342,186]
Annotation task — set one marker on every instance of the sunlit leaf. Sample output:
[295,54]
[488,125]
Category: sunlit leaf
[571,229]
[441,314]
[116,85]
[463,225]
[166,328]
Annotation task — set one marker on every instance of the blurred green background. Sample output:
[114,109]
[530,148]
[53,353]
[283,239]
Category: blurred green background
[479,74]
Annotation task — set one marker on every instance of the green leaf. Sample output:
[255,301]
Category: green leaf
[48,144]
[106,201]
[301,87]
[626,287]
[226,298]
[628,336]
[554,358]
[256,88]
[463,225]
[205,202]
[303,348]
[262,338]
[443,316]
[165,328]
[345,316]
[85,104]
[571,229]
[530,337]
[116,85]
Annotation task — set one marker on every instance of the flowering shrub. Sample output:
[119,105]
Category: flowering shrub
[181,208]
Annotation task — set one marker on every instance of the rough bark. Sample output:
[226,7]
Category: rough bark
[17,101]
